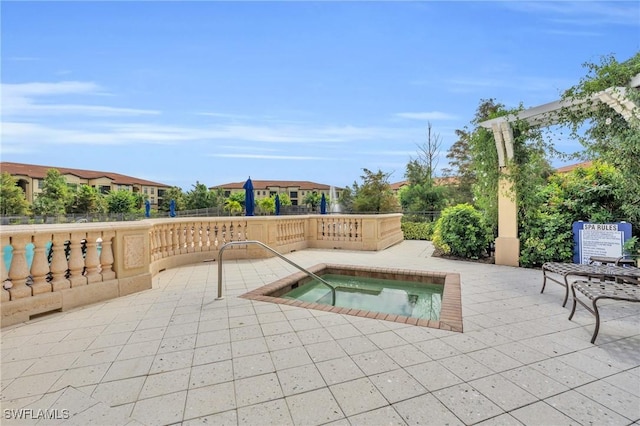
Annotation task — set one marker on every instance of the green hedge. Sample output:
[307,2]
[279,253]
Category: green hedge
[417,230]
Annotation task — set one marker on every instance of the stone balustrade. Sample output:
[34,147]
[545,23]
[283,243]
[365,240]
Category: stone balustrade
[60,267]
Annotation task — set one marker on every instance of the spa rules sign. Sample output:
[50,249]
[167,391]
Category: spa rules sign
[599,239]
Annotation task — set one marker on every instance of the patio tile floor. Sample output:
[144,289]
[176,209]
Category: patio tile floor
[175,355]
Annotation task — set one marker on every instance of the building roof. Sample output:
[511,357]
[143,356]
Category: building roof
[266,184]
[567,169]
[40,172]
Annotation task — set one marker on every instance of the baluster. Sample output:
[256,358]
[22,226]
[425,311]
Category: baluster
[59,264]
[157,231]
[224,233]
[19,271]
[189,235]
[198,236]
[207,235]
[92,261]
[163,241]
[76,261]
[106,256]
[40,265]
[170,244]
[153,247]
[182,238]
[176,232]
[4,274]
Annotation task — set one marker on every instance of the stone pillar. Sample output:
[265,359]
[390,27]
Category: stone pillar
[4,274]
[59,263]
[76,261]
[19,270]
[92,261]
[40,266]
[106,256]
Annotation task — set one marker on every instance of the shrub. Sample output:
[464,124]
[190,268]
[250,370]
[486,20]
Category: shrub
[417,230]
[547,237]
[461,231]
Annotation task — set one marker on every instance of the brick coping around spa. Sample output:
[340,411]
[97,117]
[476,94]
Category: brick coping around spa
[450,312]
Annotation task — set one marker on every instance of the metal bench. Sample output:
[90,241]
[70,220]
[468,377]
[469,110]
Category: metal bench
[616,261]
[600,272]
[626,289]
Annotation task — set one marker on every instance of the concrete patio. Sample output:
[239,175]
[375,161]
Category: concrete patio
[175,355]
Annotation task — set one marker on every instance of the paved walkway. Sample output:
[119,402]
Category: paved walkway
[174,355]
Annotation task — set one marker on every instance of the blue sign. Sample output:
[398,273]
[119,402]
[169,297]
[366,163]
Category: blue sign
[599,239]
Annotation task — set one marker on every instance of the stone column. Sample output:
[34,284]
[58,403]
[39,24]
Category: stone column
[59,263]
[40,266]
[92,261]
[19,270]
[106,256]
[4,274]
[76,261]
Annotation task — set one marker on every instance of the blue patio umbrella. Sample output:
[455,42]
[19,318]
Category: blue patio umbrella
[172,208]
[248,197]
[323,205]
[277,204]
[147,208]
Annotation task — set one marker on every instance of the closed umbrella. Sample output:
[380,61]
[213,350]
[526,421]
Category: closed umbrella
[248,197]
[172,208]
[147,208]
[323,205]
[277,204]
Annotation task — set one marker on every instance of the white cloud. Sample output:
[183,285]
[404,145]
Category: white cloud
[582,13]
[433,115]
[21,100]
[271,157]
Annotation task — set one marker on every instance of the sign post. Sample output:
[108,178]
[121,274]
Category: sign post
[599,239]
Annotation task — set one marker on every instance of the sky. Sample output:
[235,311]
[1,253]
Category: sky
[215,92]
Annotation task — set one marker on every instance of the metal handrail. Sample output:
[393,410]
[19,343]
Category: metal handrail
[263,245]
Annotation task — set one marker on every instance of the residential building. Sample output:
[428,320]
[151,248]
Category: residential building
[30,178]
[296,190]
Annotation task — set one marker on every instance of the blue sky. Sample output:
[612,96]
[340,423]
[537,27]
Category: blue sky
[179,92]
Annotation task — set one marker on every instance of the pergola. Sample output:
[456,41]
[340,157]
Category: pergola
[508,244]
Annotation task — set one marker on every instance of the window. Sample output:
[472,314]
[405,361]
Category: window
[227,193]
[272,193]
[145,191]
[153,190]
[40,183]
[293,194]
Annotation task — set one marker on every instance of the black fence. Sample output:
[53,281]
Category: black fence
[425,216]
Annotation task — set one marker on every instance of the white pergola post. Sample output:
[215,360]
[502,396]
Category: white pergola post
[507,243]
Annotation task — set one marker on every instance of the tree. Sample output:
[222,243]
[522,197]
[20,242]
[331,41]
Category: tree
[173,193]
[374,194]
[121,201]
[268,204]
[235,202]
[461,169]
[12,197]
[588,194]
[87,199]
[429,151]
[608,135]
[200,197]
[312,199]
[54,198]
[421,193]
